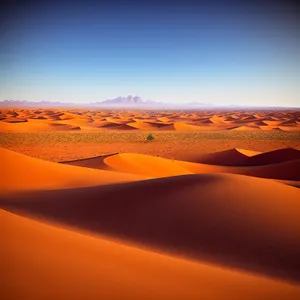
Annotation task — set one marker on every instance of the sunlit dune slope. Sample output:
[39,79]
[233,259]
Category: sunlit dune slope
[144,165]
[22,172]
[44,262]
[153,166]
[234,220]
[248,152]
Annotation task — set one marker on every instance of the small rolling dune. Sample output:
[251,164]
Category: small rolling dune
[39,120]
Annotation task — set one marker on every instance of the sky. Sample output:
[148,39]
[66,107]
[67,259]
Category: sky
[244,52]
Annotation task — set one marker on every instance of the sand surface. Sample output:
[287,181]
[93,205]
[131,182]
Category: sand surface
[35,120]
[71,265]
[91,210]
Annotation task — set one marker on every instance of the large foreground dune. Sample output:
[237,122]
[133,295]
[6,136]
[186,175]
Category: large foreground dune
[39,261]
[235,220]
[76,230]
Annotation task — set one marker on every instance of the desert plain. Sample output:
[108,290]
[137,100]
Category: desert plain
[92,209]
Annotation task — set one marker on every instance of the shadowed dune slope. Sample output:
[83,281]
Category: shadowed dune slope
[22,172]
[234,220]
[289,170]
[92,162]
[73,266]
[231,157]
[276,156]
[242,157]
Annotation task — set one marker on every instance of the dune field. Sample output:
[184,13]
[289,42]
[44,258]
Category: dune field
[90,209]
[35,120]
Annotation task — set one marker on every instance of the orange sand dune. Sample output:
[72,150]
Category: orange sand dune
[113,126]
[294,183]
[184,126]
[95,120]
[74,266]
[151,125]
[77,122]
[238,157]
[247,128]
[289,170]
[290,128]
[27,173]
[235,220]
[30,126]
[91,162]
[228,157]
[144,164]
[14,120]
[62,126]
[248,152]
[153,166]
[276,156]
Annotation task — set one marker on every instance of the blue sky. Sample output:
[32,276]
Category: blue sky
[179,51]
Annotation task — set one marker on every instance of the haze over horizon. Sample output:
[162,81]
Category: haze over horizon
[179,51]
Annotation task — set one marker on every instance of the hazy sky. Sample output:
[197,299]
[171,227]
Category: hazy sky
[171,51]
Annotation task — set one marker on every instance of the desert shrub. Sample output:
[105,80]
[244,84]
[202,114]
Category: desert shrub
[150,137]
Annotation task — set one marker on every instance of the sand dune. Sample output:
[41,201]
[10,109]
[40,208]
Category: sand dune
[144,165]
[276,156]
[289,170]
[230,157]
[283,171]
[61,126]
[74,266]
[92,162]
[151,125]
[243,157]
[222,232]
[153,167]
[246,128]
[184,126]
[27,173]
[142,120]
[218,218]
[248,152]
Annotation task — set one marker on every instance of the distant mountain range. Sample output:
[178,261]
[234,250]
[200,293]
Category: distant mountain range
[120,102]
[128,101]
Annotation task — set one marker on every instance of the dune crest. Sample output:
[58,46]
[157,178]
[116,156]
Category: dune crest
[26,173]
[144,165]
